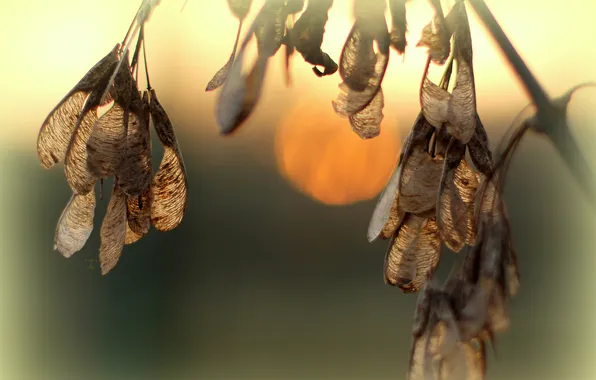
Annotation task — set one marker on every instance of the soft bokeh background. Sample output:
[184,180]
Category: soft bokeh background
[270,275]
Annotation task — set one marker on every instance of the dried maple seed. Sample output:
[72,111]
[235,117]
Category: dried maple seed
[56,131]
[75,224]
[169,186]
[307,37]
[113,231]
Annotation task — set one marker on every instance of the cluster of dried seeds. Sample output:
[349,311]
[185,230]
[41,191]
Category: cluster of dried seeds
[436,197]
[116,143]
[271,28]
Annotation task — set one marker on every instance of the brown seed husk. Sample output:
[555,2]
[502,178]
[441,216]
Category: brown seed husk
[75,224]
[113,231]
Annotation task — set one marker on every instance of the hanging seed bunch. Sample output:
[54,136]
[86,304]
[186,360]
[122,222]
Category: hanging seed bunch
[362,67]
[435,198]
[272,28]
[114,144]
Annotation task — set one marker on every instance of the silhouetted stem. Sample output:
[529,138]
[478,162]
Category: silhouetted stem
[550,119]
[567,146]
[534,89]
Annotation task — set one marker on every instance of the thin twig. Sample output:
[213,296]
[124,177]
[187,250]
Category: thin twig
[534,89]
[550,117]
[145,61]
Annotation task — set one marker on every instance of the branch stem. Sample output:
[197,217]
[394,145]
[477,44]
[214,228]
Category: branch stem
[533,88]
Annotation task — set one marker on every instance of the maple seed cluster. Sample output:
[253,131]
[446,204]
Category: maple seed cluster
[116,143]
[436,197]
[272,28]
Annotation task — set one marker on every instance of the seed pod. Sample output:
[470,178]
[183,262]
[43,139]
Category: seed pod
[56,131]
[75,224]
[169,186]
[113,231]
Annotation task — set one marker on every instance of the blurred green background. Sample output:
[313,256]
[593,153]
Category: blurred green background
[261,281]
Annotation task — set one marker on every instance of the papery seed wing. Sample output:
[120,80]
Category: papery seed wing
[162,124]
[307,36]
[106,145]
[134,172]
[400,259]
[240,9]
[479,149]
[383,217]
[498,313]
[75,224]
[131,237]
[436,41]
[492,271]
[349,101]
[357,60]
[452,215]
[367,123]
[231,103]
[461,110]
[138,212]
[113,231]
[421,362]
[474,314]
[169,184]
[463,363]
[466,184]
[446,333]
[459,24]
[57,128]
[270,28]
[437,34]
[170,193]
[238,100]
[398,25]
[434,102]
[511,267]
[437,49]
[414,254]
[222,74]
[428,253]
[421,176]
[240,92]
[396,216]
[78,176]
[138,215]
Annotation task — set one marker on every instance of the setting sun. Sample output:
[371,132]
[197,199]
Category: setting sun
[322,157]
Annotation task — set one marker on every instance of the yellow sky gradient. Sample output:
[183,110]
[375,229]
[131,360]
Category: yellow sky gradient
[49,45]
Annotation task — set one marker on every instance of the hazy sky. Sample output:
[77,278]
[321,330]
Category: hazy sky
[246,233]
[49,45]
